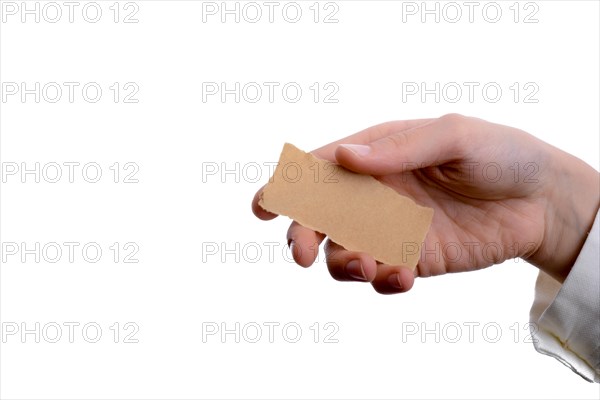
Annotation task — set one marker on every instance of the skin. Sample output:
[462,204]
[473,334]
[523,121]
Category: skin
[497,193]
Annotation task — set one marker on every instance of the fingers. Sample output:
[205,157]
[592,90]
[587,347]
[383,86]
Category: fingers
[304,244]
[433,143]
[347,265]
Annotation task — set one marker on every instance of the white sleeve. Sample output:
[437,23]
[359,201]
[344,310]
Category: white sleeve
[566,318]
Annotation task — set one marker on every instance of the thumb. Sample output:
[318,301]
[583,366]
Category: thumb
[434,143]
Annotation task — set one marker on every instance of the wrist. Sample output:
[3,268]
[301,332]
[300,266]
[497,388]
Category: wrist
[572,192]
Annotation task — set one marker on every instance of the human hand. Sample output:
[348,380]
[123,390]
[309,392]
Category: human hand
[498,193]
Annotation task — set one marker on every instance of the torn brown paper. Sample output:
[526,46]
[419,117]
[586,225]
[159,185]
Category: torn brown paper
[356,211]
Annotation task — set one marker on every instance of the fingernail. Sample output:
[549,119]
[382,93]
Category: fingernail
[355,270]
[394,281]
[358,149]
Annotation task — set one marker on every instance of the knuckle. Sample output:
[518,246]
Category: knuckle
[456,122]
[453,117]
[459,128]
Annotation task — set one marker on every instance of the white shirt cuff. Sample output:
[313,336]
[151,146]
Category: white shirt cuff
[566,318]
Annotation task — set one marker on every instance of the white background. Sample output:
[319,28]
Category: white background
[172,214]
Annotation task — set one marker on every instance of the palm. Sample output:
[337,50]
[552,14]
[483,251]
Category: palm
[469,230]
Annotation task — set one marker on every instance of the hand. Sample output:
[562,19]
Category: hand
[498,193]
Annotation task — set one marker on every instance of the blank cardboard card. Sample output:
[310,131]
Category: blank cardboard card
[356,211]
